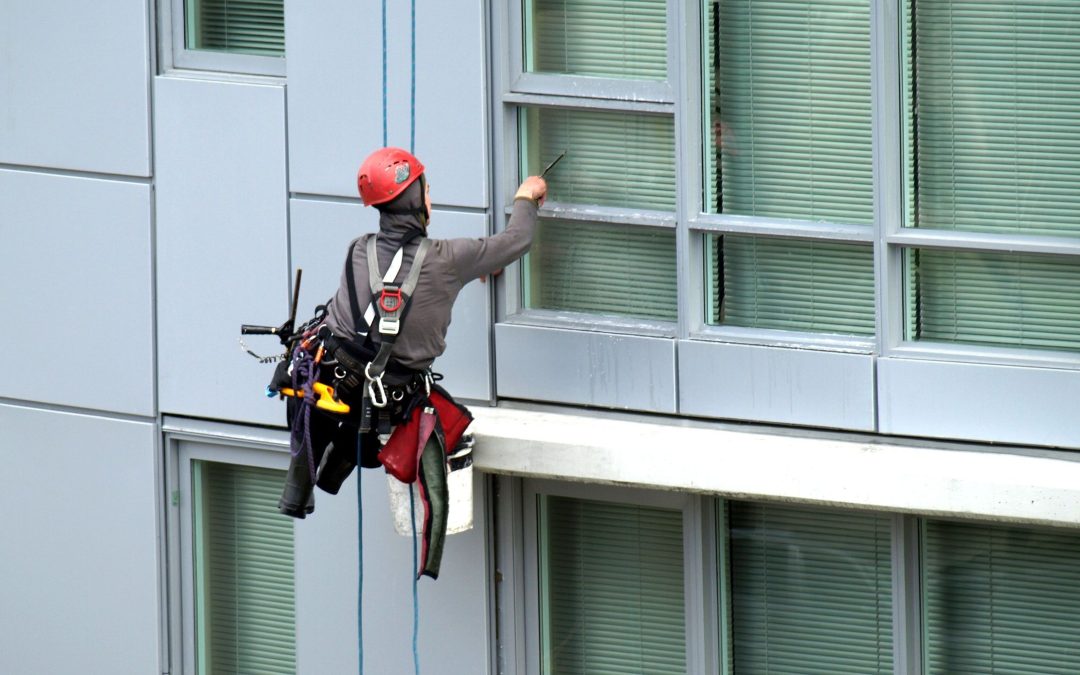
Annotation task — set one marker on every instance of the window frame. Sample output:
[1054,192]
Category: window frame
[174,55]
[183,448]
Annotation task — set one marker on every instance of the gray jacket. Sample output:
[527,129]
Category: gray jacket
[450,264]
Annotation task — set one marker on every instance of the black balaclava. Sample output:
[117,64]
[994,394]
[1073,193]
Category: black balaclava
[406,211]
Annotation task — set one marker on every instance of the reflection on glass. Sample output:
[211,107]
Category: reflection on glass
[810,590]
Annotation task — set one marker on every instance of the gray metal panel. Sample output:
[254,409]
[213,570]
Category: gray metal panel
[221,244]
[454,631]
[1030,406]
[586,368]
[74,85]
[773,384]
[336,97]
[79,573]
[76,295]
[321,232]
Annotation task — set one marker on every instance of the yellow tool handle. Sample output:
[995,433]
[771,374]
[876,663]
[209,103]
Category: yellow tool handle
[324,398]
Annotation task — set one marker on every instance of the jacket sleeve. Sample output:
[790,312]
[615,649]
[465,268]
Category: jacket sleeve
[473,258]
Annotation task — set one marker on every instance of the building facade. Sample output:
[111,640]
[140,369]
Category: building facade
[787,383]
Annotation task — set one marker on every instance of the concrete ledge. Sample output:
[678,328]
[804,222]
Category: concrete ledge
[1041,487]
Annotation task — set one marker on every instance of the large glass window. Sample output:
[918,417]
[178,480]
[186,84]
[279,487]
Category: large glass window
[789,138]
[611,588]
[1000,599]
[993,139]
[810,591]
[243,571]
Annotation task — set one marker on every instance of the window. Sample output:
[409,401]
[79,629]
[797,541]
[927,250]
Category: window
[236,36]
[810,590]
[243,571]
[605,579]
[991,136]
[1000,599]
[789,144]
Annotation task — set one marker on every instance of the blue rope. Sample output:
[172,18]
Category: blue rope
[412,88]
[415,583]
[384,135]
[360,558]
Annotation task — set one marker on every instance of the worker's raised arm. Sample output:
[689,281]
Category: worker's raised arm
[473,258]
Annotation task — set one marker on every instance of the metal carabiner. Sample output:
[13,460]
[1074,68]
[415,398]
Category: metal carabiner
[378,396]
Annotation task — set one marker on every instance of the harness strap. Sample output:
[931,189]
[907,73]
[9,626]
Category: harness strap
[387,338]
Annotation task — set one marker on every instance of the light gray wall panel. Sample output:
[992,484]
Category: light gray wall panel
[222,243]
[79,572]
[321,232]
[336,94]
[76,295]
[579,367]
[772,384]
[74,85]
[453,609]
[1030,406]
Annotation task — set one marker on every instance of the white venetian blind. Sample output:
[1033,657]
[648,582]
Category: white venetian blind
[599,38]
[238,26]
[603,269]
[612,598]
[810,591]
[994,299]
[788,284]
[996,115]
[245,606]
[791,109]
[1003,600]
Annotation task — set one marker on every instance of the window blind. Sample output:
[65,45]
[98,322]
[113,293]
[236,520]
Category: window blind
[791,109]
[245,608]
[997,133]
[603,269]
[612,158]
[239,26]
[1000,599]
[612,598]
[810,591]
[995,299]
[600,38]
[789,284]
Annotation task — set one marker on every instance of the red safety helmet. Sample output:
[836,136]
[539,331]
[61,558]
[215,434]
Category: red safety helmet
[385,174]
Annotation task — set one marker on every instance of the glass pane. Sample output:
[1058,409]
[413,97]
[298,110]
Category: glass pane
[994,123]
[244,606]
[611,588]
[990,298]
[601,38]
[237,26]
[602,269]
[811,591]
[790,109]
[790,284]
[1000,599]
[612,159]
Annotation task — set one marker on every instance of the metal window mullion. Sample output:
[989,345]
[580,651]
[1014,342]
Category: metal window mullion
[982,241]
[685,74]
[907,597]
[640,217]
[579,102]
[888,170]
[780,227]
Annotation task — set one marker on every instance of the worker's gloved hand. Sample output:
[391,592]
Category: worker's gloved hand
[534,188]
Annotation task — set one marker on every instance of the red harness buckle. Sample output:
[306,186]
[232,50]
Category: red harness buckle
[390,300]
